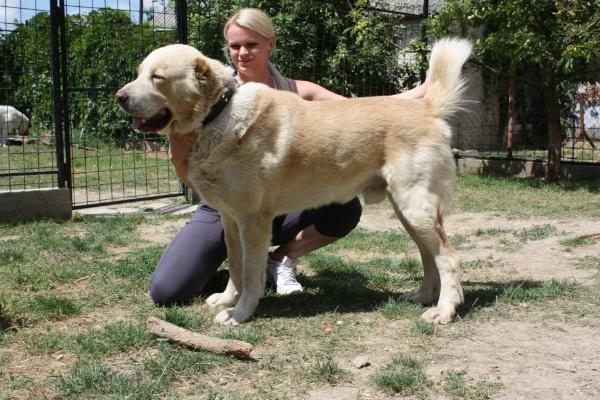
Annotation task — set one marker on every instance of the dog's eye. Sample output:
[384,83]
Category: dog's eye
[157,76]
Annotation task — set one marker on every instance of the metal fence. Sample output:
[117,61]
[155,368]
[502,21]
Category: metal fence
[62,61]
[66,58]
[483,130]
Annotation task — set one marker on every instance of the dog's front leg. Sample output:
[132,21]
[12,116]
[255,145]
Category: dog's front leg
[234,253]
[255,235]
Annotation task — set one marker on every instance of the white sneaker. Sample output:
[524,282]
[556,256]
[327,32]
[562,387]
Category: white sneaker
[283,275]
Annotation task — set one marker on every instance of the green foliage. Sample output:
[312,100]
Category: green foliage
[348,50]
[550,45]
[345,49]
[104,48]
[26,68]
[563,36]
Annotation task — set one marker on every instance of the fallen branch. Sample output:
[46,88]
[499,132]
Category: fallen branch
[235,348]
[591,235]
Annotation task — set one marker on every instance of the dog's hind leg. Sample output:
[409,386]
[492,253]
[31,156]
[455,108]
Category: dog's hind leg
[255,235]
[234,254]
[420,212]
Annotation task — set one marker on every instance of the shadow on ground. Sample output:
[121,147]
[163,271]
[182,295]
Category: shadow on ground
[350,292]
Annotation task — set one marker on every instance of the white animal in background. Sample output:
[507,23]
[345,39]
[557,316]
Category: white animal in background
[11,119]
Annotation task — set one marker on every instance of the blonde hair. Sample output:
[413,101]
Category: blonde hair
[253,19]
[259,22]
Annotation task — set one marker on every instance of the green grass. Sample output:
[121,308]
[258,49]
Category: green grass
[538,232]
[187,319]
[245,334]
[112,338]
[578,241]
[542,291]
[422,328]
[589,262]
[492,232]
[92,378]
[394,309]
[481,263]
[328,371]
[102,170]
[459,386]
[522,198]
[404,375]
[381,242]
[75,292]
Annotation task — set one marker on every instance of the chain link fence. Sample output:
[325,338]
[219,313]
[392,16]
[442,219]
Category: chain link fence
[62,61]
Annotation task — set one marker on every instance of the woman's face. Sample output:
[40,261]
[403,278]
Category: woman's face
[249,50]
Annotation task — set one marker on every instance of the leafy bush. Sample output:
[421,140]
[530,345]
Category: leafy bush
[348,50]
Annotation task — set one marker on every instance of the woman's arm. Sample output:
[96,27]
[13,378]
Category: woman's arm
[180,146]
[311,91]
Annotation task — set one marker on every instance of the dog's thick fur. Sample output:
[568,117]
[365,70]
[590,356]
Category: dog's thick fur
[269,152]
[11,119]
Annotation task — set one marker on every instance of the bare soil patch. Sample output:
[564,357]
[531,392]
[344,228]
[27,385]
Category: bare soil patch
[535,351]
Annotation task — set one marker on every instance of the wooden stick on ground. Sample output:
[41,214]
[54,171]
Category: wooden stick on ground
[592,235]
[235,348]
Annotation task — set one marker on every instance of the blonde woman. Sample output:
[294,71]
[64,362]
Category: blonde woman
[198,250]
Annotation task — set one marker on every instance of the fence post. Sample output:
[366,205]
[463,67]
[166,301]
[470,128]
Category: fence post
[181,18]
[57,18]
[425,14]
[182,37]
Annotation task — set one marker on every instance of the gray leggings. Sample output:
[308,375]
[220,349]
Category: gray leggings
[197,251]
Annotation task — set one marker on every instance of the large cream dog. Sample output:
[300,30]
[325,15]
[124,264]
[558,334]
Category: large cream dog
[260,153]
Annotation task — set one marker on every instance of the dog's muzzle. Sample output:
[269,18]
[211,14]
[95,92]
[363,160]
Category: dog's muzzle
[153,123]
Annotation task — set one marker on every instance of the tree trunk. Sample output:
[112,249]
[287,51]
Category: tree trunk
[552,108]
[510,129]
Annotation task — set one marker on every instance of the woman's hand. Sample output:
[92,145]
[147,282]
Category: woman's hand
[180,146]
[415,93]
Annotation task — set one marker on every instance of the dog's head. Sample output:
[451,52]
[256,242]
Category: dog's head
[175,89]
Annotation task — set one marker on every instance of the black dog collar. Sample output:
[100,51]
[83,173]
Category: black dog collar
[216,109]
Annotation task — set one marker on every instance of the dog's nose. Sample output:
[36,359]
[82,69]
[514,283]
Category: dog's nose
[121,96]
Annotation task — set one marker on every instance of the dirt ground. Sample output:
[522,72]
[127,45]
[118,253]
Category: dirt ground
[535,353]
[534,356]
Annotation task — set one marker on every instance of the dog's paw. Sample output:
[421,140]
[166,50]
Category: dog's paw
[219,300]
[213,300]
[420,296]
[227,317]
[439,315]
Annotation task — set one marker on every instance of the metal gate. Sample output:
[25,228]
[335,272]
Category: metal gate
[99,157]
[66,58]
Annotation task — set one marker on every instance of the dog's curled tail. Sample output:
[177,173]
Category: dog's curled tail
[446,84]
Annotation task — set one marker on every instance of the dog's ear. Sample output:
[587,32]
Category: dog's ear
[202,71]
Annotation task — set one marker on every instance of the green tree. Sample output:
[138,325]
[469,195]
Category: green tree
[104,49]
[559,38]
[323,41]
[26,74]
